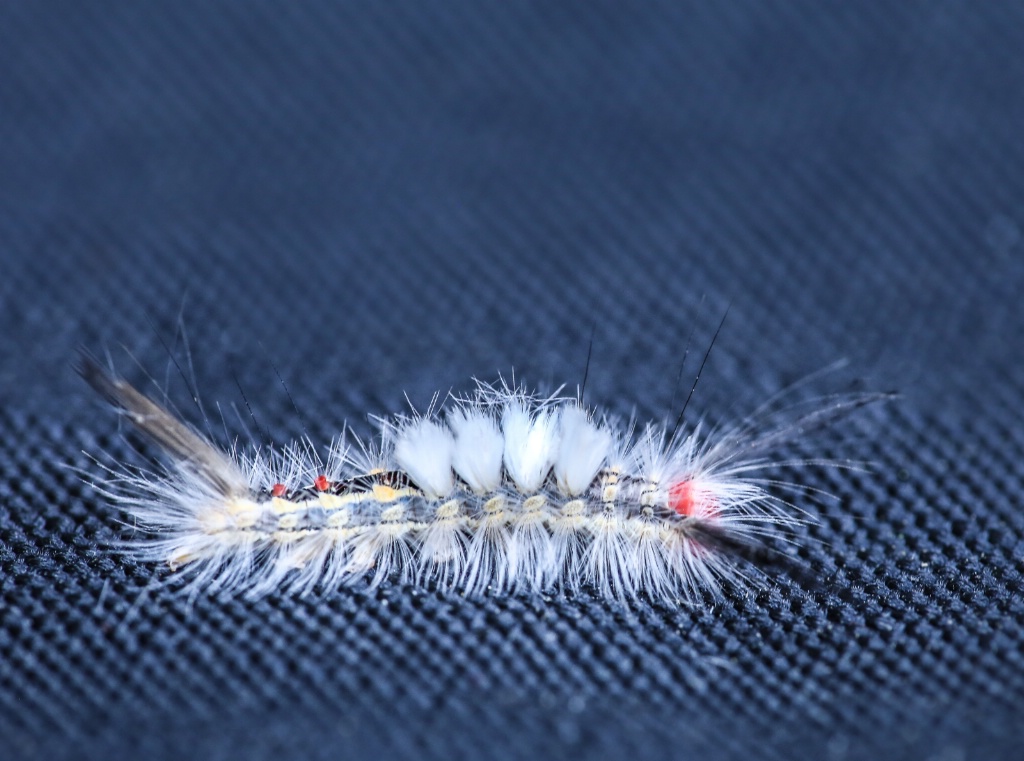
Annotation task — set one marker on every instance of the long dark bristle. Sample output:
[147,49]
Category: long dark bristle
[170,434]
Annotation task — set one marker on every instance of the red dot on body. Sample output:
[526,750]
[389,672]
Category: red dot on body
[690,500]
[321,483]
[277,490]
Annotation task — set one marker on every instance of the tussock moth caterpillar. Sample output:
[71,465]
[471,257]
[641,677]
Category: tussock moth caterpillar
[501,491]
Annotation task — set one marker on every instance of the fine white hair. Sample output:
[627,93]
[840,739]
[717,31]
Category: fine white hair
[503,492]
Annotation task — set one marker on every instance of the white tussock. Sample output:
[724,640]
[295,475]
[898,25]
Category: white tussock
[531,441]
[424,449]
[582,449]
[479,447]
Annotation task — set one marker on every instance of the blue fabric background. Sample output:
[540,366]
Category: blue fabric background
[388,198]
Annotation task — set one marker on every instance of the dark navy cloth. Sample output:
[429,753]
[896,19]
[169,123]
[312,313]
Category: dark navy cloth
[378,199]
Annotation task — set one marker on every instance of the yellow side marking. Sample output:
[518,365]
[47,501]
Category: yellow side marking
[610,485]
[535,503]
[571,516]
[448,510]
[392,514]
[386,494]
[649,495]
[574,509]
[494,505]
[338,518]
[329,501]
[281,506]
[291,537]
[243,505]
[244,511]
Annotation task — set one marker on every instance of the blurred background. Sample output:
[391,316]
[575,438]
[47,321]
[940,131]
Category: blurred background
[375,200]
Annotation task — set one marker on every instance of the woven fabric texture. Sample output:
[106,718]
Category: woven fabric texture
[379,199]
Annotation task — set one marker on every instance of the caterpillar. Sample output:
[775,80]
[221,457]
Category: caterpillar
[501,491]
